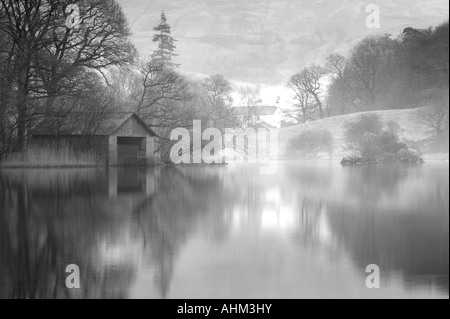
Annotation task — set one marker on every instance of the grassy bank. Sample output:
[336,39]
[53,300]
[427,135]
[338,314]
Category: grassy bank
[41,156]
[412,131]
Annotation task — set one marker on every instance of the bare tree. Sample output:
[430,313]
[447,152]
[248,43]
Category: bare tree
[217,101]
[250,96]
[436,119]
[26,24]
[121,82]
[436,115]
[97,42]
[161,95]
[309,82]
[163,98]
[367,67]
[85,109]
[339,91]
[303,106]
[6,97]
[336,64]
[47,53]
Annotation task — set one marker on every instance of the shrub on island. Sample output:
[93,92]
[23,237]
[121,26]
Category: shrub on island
[373,143]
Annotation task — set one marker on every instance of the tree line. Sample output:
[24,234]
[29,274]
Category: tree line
[54,63]
[381,72]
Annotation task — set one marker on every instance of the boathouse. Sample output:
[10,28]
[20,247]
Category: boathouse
[118,138]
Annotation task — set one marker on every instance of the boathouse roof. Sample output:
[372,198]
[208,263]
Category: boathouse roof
[82,124]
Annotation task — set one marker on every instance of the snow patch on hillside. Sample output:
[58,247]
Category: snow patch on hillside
[412,131]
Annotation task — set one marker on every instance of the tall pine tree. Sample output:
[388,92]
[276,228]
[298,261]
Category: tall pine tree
[165,51]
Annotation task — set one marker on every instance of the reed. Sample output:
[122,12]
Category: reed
[50,156]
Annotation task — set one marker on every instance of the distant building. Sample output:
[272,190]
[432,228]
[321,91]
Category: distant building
[258,116]
[118,138]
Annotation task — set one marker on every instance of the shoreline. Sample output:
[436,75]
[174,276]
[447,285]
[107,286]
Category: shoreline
[435,161]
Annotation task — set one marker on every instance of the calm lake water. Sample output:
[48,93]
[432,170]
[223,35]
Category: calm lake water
[308,231]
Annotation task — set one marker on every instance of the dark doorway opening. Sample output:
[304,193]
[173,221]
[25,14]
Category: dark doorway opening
[128,149]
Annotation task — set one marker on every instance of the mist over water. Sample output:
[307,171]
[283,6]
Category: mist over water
[225,232]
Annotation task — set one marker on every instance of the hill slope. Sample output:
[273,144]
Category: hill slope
[262,41]
[412,131]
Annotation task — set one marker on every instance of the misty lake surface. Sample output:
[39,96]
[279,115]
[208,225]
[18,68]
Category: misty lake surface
[308,231]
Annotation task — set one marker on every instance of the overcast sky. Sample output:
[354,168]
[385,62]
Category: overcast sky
[266,41]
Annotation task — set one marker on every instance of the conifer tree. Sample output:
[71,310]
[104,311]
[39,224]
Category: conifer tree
[165,51]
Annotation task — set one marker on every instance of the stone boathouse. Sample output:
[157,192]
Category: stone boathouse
[118,138]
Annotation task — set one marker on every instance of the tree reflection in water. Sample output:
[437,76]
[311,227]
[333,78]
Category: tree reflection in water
[102,221]
[121,226]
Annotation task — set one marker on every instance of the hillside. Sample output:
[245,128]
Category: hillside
[263,41]
[412,131]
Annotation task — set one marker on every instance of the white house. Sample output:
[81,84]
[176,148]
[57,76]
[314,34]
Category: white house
[262,116]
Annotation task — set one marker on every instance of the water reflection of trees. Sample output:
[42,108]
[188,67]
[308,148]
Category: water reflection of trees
[183,198]
[50,219]
[411,239]
[370,183]
[105,221]
[415,245]
[309,225]
[395,217]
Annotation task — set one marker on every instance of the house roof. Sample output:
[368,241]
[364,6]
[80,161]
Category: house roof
[85,124]
[255,110]
[264,125]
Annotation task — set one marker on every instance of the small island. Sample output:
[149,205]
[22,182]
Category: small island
[405,157]
[375,142]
